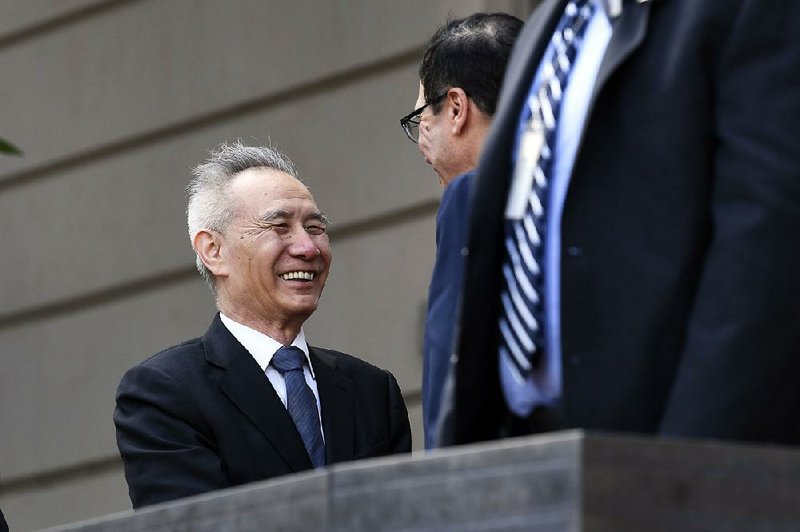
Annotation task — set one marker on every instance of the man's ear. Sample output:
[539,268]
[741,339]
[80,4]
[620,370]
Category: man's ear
[208,246]
[458,110]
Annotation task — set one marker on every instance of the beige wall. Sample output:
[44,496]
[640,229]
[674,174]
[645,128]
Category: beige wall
[112,102]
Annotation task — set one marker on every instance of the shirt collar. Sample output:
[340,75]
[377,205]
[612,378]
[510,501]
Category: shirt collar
[613,8]
[261,346]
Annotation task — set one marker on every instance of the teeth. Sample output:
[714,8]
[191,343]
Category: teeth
[290,276]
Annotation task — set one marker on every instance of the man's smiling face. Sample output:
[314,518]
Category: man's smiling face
[277,254]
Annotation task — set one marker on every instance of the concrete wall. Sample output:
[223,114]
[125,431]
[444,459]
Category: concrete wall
[112,103]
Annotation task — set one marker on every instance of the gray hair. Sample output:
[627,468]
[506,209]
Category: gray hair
[209,202]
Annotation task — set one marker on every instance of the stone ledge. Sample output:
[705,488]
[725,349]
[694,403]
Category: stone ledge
[565,481]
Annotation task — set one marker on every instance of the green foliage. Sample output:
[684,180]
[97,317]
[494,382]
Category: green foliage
[8,148]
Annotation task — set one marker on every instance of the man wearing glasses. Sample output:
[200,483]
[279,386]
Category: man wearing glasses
[460,77]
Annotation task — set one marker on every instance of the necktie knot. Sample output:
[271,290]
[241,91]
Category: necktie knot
[289,358]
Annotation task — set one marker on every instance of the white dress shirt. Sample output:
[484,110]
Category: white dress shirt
[262,348]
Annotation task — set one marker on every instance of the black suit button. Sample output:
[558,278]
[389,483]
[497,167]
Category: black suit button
[575,361]
[574,251]
[464,251]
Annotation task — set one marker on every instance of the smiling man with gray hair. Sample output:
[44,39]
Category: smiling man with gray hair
[251,399]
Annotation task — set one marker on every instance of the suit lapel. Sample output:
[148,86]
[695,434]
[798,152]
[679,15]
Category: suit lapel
[490,192]
[630,29]
[246,386]
[338,408]
[528,52]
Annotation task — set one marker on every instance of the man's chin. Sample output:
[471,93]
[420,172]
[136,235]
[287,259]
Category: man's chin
[303,309]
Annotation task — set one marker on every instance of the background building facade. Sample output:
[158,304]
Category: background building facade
[112,103]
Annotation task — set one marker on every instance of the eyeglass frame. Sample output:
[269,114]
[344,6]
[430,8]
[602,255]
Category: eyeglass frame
[408,119]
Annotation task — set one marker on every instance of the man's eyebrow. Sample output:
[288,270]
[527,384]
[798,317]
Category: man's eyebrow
[320,217]
[271,216]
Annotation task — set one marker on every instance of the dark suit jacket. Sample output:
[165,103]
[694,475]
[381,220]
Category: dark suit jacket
[680,293]
[202,416]
[443,296]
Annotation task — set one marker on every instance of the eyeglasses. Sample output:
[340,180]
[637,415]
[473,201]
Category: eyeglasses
[410,122]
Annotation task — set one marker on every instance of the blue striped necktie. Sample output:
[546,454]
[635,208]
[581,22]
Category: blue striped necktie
[300,401]
[521,319]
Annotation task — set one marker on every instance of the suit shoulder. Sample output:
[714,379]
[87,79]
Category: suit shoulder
[347,363]
[175,357]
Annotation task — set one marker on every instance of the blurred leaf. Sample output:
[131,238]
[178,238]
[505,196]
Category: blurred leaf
[7,147]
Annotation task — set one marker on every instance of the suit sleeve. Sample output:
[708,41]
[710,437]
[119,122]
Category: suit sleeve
[166,449]
[399,426]
[738,375]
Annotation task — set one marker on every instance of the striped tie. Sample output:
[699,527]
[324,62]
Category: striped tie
[300,401]
[521,324]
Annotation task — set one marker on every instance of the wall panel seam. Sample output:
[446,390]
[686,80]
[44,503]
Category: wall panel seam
[164,279]
[55,23]
[49,170]
[42,479]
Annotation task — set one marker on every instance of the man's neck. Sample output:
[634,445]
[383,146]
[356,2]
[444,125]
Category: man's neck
[468,146]
[283,331]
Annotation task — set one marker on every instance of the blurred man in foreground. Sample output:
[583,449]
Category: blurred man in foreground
[633,256]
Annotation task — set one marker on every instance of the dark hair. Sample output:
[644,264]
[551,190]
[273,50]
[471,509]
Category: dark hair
[470,53]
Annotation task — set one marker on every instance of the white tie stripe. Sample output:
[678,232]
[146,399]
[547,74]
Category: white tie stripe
[568,35]
[506,359]
[529,269]
[558,42]
[535,204]
[545,157]
[531,231]
[571,9]
[522,306]
[539,177]
[523,246]
[555,89]
[522,280]
[519,331]
[548,71]
[547,114]
[563,62]
[519,356]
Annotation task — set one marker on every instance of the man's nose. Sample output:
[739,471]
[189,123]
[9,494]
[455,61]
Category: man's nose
[303,245]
